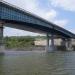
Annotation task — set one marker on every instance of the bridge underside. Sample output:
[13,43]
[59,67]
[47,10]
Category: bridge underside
[66,41]
[34,28]
[15,17]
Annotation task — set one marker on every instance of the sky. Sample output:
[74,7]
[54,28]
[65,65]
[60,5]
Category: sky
[60,12]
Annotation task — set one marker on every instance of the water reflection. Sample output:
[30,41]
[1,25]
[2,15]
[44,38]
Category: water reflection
[37,63]
[1,64]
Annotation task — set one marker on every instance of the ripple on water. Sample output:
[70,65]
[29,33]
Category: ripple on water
[37,63]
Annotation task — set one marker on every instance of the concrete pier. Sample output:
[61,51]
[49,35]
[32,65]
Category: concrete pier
[67,43]
[50,47]
[69,46]
[1,38]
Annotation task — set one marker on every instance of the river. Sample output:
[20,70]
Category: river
[37,63]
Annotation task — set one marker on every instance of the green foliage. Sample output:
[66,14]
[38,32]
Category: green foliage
[21,41]
[18,42]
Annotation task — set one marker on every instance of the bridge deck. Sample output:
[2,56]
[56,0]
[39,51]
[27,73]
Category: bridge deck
[15,15]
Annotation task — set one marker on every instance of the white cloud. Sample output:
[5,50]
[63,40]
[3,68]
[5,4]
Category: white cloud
[50,15]
[33,6]
[29,5]
[66,4]
[61,23]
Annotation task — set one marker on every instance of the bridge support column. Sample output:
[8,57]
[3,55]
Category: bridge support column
[1,38]
[67,44]
[50,47]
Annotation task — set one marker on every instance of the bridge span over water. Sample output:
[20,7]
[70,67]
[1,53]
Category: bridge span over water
[15,17]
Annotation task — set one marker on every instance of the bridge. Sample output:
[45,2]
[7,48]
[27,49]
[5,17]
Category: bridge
[16,17]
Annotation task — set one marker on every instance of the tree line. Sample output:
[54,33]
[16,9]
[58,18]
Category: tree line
[21,41]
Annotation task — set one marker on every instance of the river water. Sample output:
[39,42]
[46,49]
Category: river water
[37,63]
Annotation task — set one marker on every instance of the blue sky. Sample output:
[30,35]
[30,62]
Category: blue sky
[60,12]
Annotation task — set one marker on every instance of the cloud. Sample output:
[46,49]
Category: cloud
[50,15]
[65,4]
[33,7]
[61,23]
[29,5]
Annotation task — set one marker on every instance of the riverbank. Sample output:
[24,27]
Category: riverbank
[36,48]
